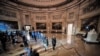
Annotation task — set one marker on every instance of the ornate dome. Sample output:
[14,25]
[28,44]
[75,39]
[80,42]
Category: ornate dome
[43,3]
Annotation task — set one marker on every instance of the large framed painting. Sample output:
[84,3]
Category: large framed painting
[40,25]
[8,25]
[89,23]
[57,25]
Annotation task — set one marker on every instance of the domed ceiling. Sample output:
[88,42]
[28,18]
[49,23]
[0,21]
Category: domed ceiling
[43,3]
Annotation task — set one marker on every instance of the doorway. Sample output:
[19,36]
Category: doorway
[69,32]
[70,29]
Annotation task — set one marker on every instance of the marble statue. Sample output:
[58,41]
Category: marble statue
[92,36]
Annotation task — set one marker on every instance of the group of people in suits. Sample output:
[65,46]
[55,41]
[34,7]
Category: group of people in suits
[46,43]
[31,52]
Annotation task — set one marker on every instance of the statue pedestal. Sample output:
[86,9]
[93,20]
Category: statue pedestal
[91,37]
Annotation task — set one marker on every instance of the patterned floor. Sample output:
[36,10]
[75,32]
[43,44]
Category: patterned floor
[72,46]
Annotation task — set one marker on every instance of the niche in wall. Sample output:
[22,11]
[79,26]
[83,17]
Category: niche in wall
[71,15]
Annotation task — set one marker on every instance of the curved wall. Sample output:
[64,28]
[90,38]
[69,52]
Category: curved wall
[63,15]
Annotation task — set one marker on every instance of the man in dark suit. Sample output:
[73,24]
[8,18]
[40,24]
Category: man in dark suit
[53,42]
[35,53]
[3,40]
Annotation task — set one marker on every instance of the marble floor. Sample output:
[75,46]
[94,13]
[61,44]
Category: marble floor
[69,46]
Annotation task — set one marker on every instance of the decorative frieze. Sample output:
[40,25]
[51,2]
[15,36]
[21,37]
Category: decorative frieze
[7,13]
[40,17]
[91,7]
[57,17]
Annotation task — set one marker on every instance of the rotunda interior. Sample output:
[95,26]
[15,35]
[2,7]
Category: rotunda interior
[50,27]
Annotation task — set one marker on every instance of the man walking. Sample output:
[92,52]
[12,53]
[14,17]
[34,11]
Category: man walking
[53,42]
